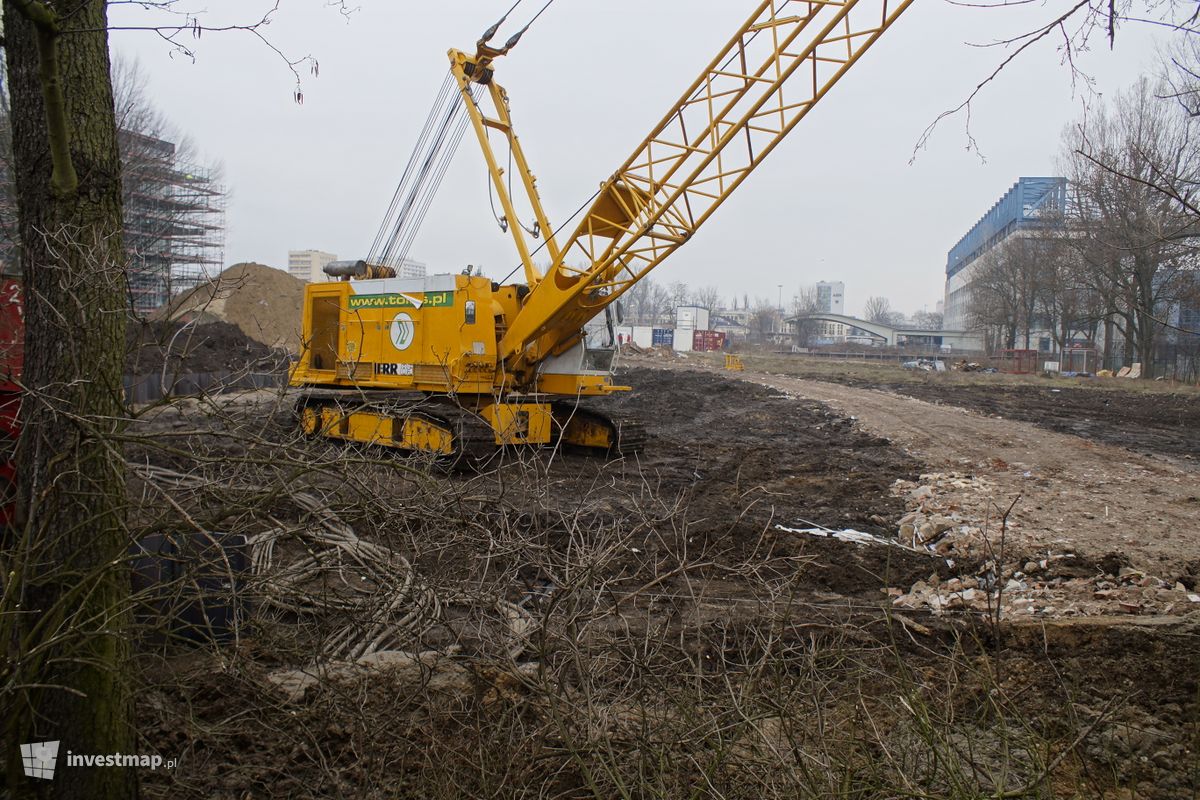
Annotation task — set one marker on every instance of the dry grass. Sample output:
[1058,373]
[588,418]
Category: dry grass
[858,372]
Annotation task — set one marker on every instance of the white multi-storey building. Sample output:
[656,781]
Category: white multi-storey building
[309,265]
[831,299]
[410,268]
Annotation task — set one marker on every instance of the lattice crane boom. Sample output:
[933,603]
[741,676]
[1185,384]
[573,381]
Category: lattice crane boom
[775,68]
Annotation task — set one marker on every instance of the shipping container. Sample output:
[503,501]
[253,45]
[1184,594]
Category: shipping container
[708,341]
[640,335]
[693,317]
[662,337]
[682,341]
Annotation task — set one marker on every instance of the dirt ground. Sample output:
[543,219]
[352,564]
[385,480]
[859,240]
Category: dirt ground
[1153,418]
[263,302]
[690,639]
[1089,491]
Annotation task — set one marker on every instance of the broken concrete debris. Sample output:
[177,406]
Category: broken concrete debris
[1055,584]
[1048,593]
[935,521]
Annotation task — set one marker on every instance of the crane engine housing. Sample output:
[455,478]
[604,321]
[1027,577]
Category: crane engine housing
[369,339]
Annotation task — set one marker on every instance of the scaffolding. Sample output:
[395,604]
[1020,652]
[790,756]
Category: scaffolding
[174,221]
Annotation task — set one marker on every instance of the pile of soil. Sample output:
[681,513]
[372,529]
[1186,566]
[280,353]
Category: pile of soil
[209,347]
[264,302]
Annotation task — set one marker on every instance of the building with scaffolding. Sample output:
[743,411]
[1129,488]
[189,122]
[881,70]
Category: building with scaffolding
[174,221]
[174,215]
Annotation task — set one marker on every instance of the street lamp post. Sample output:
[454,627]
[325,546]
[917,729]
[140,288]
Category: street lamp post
[781,326]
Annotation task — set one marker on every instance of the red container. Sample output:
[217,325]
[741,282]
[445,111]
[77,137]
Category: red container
[708,341]
[12,334]
[12,349]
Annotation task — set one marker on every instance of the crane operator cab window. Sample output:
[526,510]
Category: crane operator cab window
[600,341]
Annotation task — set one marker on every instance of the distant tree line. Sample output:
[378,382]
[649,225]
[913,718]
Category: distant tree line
[654,304]
[879,309]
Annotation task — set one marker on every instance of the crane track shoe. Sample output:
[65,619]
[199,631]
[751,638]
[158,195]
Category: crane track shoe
[452,435]
[584,427]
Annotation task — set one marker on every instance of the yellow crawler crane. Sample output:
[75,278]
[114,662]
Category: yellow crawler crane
[456,364]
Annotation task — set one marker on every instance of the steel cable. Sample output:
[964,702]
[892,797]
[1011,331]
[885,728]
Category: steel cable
[436,112]
[427,165]
[432,167]
[399,248]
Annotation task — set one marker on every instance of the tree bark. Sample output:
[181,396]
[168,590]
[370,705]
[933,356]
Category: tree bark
[70,537]
[1109,333]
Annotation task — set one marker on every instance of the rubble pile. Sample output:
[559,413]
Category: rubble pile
[935,520]
[1035,590]
[1054,584]
[657,351]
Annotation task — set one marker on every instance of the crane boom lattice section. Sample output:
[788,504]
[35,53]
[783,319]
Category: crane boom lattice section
[777,66]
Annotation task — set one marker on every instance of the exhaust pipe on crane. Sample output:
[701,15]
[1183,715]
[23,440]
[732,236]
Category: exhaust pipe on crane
[347,270]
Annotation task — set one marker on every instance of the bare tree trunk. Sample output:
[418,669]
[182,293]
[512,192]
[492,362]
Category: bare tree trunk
[1147,326]
[1109,332]
[71,536]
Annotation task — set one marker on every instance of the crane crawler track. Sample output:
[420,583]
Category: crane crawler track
[455,436]
[587,427]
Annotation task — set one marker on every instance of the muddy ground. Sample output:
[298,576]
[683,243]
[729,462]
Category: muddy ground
[682,644]
[1145,421]
[1153,423]
[746,458]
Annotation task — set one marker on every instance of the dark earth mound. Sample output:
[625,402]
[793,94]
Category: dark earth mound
[211,347]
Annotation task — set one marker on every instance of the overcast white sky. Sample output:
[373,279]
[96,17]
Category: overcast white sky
[838,200]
